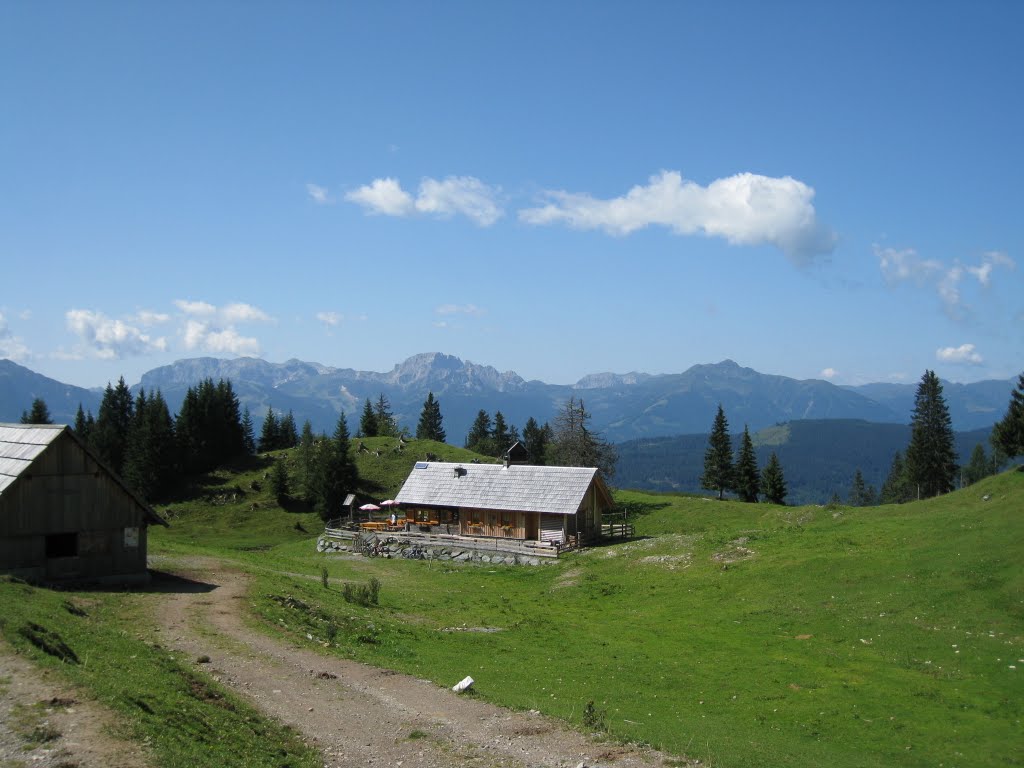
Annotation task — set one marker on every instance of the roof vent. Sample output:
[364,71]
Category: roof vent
[459,471]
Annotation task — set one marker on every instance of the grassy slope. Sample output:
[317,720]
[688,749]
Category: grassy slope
[850,637]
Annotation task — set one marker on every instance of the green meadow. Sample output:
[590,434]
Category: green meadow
[739,634]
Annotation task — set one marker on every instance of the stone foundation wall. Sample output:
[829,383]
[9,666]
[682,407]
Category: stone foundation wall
[425,552]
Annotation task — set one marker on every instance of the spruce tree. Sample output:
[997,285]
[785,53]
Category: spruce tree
[287,434]
[270,435]
[479,436]
[536,439]
[151,456]
[858,491]
[748,480]
[279,484]
[248,435]
[773,482]
[430,424]
[368,421]
[386,424]
[1008,433]
[307,460]
[335,472]
[931,460]
[110,434]
[500,437]
[896,488]
[83,425]
[718,472]
[573,444]
[979,466]
[38,414]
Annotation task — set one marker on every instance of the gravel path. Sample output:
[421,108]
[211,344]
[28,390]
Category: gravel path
[358,715]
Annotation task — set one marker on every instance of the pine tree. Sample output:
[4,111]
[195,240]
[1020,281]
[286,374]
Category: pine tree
[335,472]
[979,467]
[748,480]
[500,437]
[270,435]
[858,491]
[896,488]
[38,414]
[718,472]
[307,460]
[368,421]
[772,481]
[248,435]
[110,433]
[279,484]
[479,436]
[1008,434]
[386,424]
[150,457]
[536,439]
[931,460]
[288,436]
[573,444]
[83,425]
[430,425]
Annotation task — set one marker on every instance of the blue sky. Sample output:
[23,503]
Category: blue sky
[817,190]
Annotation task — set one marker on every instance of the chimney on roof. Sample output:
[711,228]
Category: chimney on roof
[459,471]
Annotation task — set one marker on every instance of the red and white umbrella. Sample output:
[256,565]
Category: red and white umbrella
[389,503]
[370,508]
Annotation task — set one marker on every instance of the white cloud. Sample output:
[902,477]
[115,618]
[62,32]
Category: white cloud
[330,319]
[212,329]
[902,265]
[111,339]
[384,196]
[243,313]
[319,194]
[195,307]
[200,335]
[149,318]
[745,209]
[11,346]
[947,279]
[459,194]
[989,261]
[459,309]
[448,197]
[829,373]
[965,353]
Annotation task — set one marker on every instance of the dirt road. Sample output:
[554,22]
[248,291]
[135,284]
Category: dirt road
[359,715]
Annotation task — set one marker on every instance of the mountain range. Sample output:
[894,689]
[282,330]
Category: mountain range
[623,406]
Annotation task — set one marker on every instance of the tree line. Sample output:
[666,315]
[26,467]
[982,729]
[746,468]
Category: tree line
[722,473]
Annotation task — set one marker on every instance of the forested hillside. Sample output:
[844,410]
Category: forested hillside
[819,457]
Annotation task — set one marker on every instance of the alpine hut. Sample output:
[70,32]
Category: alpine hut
[556,505]
[64,516]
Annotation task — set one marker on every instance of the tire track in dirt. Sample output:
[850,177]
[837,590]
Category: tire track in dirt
[358,715]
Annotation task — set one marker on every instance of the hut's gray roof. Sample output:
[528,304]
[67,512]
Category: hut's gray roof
[20,445]
[517,487]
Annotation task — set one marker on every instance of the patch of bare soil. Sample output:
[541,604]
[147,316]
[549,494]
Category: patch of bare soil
[362,716]
[46,723]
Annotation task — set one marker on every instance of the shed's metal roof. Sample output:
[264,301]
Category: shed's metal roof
[20,445]
[518,487]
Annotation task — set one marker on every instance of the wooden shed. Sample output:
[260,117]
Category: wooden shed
[64,516]
[557,505]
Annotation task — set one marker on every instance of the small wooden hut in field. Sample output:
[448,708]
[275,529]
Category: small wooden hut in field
[63,514]
[557,505]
